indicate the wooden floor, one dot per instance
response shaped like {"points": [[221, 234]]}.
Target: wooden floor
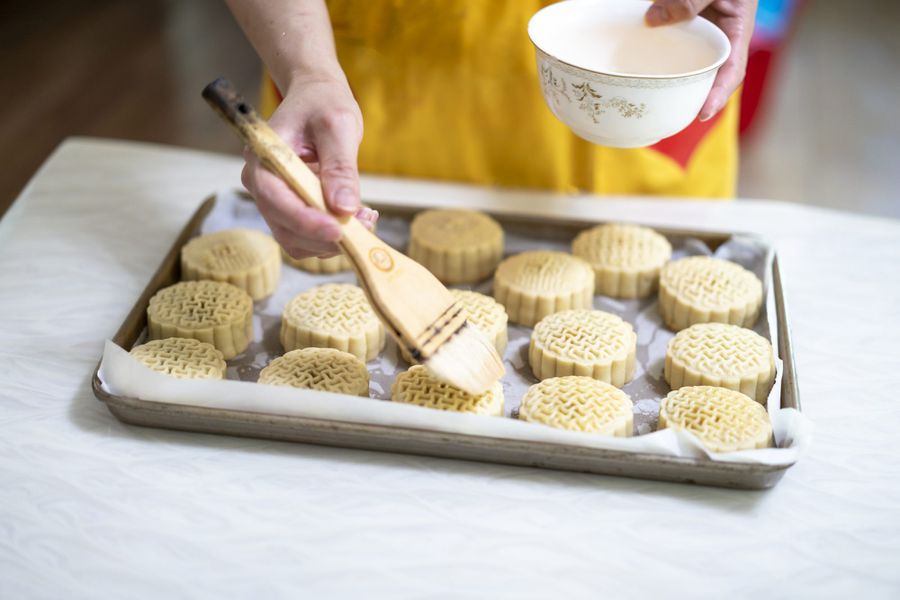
{"points": [[110, 68], [134, 70]]}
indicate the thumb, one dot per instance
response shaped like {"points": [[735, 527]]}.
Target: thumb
{"points": [[337, 145]]}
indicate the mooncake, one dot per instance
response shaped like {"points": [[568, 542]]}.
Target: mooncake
{"points": [[314, 264], [246, 258], [210, 311], [334, 315], [723, 356], [626, 258], [483, 312], [417, 386], [590, 343], [457, 245], [702, 289], [723, 420], [324, 369], [534, 284], [181, 358], [579, 404], [324, 266]]}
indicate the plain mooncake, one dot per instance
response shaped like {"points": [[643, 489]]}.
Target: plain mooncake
{"points": [[626, 258], [483, 312], [417, 386], [702, 289], [721, 355], [324, 369], [323, 266], [591, 343], [579, 404], [334, 315], [246, 258], [724, 420], [458, 246], [314, 264], [534, 284], [210, 311], [181, 358]]}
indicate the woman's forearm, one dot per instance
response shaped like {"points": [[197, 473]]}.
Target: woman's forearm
{"points": [[293, 38], [318, 117]]}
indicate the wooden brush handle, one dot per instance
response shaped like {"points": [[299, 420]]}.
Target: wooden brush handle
{"points": [[280, 158], [274, 153]]}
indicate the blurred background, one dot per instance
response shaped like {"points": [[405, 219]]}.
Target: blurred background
{"points": [[819, 122]]}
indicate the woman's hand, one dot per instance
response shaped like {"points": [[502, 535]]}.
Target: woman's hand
{"points": [[318, 118], [735, 18], [321, 121]]}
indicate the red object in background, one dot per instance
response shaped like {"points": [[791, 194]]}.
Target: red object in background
{"points": [[775, 24], [680, 147], [758, 64]]}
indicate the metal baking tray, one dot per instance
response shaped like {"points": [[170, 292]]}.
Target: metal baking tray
{"points": [[443, 444]]}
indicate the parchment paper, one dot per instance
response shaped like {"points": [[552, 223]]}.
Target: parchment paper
{"points": [[123, 375]]}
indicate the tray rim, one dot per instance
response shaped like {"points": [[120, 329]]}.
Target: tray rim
{"points": [[446, 444]]}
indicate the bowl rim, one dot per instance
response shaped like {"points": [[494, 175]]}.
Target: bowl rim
{"points": [[718, 63]]}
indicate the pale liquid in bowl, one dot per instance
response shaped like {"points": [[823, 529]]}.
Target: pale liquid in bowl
{"points": [[633, 49]]}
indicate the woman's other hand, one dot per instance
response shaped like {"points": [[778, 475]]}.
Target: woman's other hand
{"points": [[735, 18]]}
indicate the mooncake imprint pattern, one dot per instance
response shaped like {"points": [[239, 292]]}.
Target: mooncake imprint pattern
{"points": [[417, 386], [458, 246], [590, 343], [721, 355], [702, 289], [483, 312], [724, 420], [626, 258], [579, 404], [324, 369], [334, 315], [182, 358], [246, 258], [534, 284], [210, 311]]}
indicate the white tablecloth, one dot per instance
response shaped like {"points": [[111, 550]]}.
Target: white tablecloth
{"points": [[90, 507]]}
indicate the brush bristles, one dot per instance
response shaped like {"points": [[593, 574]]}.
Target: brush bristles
{"points": [[468, 361]]}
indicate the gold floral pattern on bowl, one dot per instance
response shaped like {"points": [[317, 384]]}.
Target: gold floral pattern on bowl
{"points": [[589, 100]]}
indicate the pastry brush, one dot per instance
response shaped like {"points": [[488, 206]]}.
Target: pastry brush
{"points": [[416, 308]]}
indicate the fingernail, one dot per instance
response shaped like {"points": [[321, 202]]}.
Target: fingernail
{"points": [[657, 14], [344, 200], [368, 214], [708, 114]]}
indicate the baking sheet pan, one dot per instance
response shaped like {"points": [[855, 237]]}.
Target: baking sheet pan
{"points": [[522, 233]]}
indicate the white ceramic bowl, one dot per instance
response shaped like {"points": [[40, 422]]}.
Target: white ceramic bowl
{"points": [[617, 82]]}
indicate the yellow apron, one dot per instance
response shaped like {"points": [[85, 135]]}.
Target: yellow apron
{"points": [[449, 90]]}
